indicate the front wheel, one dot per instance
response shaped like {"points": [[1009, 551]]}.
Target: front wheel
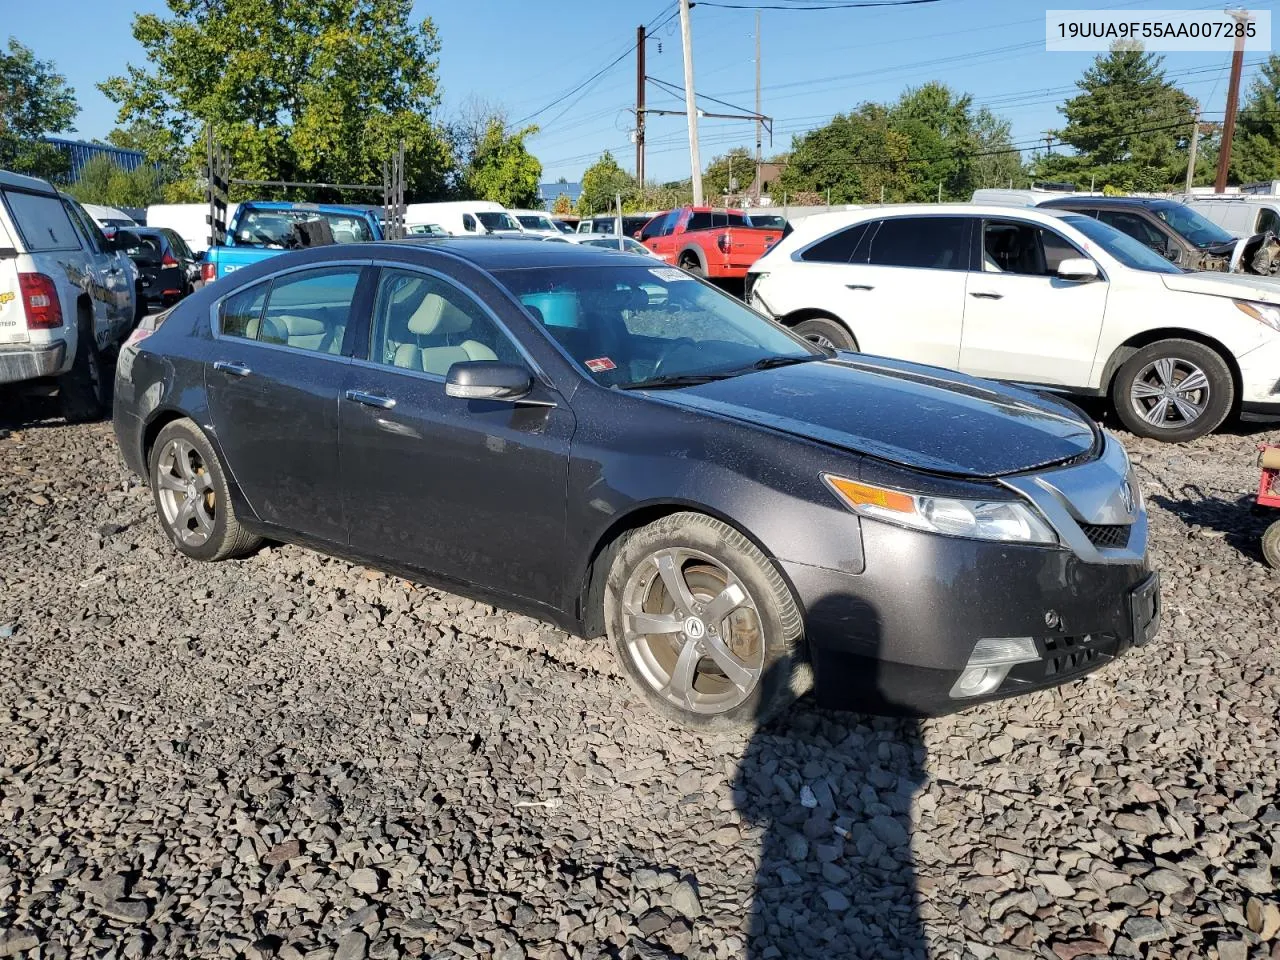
{"points": [[704, 624], [1271, 545], [827, 333], [1173, 390]]}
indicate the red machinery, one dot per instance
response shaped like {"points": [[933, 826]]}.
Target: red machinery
{"points": [[1269, 496]]}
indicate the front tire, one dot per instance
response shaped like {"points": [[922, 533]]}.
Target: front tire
{"points": [[193, 504], [1271, 545], [826, 332], [83, 390], [1174, 391], [703, 624]]}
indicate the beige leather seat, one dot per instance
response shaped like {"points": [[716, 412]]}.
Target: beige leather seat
{"points": [[310, 333], [437, 318]]}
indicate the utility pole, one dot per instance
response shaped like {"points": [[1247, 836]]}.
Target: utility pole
{"points": [[640, 38], [691, 106], [759, 127], [1233, 95], [1191, 154]]}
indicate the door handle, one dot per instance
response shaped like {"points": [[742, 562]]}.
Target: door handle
{"points": [[986, 294], [859, 286], [231, 367], [370, 399]]}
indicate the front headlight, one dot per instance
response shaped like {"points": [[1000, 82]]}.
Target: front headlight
{"points": [[1010, 521], [1267, 313]]}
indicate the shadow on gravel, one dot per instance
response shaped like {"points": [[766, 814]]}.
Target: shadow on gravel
{"points": [[1240, 521], [833, 792]]}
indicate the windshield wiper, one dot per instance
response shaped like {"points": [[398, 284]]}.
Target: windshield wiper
{"points": [[768, 363], [673, 380]]}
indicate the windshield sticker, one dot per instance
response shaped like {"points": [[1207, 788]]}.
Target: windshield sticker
{"points": [[669, 273], [601, 365]]}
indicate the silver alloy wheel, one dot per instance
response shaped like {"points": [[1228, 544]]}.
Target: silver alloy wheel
{"points": [[821, 341], [1170, 392], [693, 631], [186, 492]]}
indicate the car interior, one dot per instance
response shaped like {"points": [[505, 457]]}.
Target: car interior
{"points": [[424, 325]]}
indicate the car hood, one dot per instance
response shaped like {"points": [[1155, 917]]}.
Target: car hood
{"points": [[917, 416], [1242, 286]]}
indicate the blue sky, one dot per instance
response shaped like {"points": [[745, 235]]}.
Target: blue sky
{"points": [[524, 55]]}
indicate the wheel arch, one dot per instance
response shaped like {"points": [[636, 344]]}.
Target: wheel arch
{"points": [[696, 250], [591, 582], [1147, 337], [814, 313]]}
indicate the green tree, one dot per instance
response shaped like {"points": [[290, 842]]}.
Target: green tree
{"points": [[1128, 126], [939, 127], [852, 159], [602, 182], [563, 206], [993, 161], [502, 168], [104, 181], [34, 101], [1255, 151], [310, 91], [730, 173]]}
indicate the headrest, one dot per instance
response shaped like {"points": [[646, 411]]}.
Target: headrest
{"points": [[273, 331], [302, 326], [437, 315]]}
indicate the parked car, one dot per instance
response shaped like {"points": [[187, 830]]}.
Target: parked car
{"points": [[712, 243], [463, 217], [566, 226], [771, 221], [1241, 215], [167, 269], [622, 244], [67, 295], [625, 450], [536, 221], [263, 229], [1051, 298], [426, 230], [106, 217], [1171, 229], [611, 224]]}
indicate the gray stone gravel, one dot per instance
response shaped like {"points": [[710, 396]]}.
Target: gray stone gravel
{"points": [[290, 756]]}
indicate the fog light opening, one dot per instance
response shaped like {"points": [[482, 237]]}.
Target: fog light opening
{"points": [[990, 663]]}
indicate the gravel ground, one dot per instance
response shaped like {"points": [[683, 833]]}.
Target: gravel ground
{"points": [[291, 756]]}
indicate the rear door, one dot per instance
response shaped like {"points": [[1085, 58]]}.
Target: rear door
{"points": [[1021, 321], [273, 390]]}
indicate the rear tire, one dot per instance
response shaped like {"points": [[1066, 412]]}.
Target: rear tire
{"points": [[83, 390], [193, 504], [1271, 545], [826, 332], [1174, 391], [691, 264], [723, 648]]}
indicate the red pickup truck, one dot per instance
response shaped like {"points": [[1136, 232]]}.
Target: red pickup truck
{"points": [[708, 242]]}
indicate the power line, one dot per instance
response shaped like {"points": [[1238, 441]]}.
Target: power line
{"points": [[824, 6]]}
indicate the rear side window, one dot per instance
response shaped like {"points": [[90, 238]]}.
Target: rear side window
{"points": [[42, 221], [309, 310], [240, 313], [837, 248], [700, 220], [1135, 226], [935, 243]]}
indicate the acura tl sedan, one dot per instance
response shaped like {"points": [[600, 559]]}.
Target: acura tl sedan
{"points": [[622, 449]]}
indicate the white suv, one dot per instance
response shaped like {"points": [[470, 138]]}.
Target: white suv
{"points": [[67, 294], [1059, 301]]}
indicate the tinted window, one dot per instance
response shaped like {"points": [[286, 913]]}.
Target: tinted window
{"points": [[42, 220], [309, 310], [837, 248], [657, 227], [177, 243], [721, 218], [700, 220], [241, 312], [423, 323], [938, 243], [1135, 226], [1268, 222], [1023, 248], [1057, 249], [468, 222], [497, 220], [1121, 246], [91, 231]]}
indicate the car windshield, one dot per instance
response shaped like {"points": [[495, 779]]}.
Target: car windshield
{"points": [[1187, 223], [630, 325], [1123, 247], [497, 220], [275, 228], [536, 223]]}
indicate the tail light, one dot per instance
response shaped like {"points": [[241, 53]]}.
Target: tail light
{"points": [[724, 242], [168, 260], [208, 271], [40, 297], [149, 325]]}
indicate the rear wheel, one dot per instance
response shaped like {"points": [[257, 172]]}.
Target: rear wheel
{"points": [[1271, 545], [692, 264], [1173, 390], [82, 390], [191, 497], [826, 332], [703, 623]]}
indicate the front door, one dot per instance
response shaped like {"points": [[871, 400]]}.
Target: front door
{"points": [[1021, 321], [470, 490], [273, 388]]}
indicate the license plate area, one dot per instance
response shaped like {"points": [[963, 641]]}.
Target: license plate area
{"points": [[1145, 607]]}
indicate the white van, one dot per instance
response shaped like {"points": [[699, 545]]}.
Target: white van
{"points": [[462, 217], [67, 294], [108, 216], [187, 220], [1241, 215], [537, 222]]}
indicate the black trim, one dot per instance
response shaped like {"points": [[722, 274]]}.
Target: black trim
{"points": [[1260, 412]]}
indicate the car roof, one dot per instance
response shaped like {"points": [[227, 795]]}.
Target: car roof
{"points": [[318, 207], [492, 254], [1103, 201], [8, 179]]}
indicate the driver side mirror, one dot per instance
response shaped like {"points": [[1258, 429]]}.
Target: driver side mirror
{"points": [[487, 380], [1079, 269]]}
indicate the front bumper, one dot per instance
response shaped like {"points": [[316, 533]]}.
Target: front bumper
{"points": [[31, 362], [1260, 380]]}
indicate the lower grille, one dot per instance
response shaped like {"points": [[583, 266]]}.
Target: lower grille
{"points": [[1067, 655], [1107, 534]]}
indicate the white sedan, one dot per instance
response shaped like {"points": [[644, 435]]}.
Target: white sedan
{"points": [[1059, 301]]}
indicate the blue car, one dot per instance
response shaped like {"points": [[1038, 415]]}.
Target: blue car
{"points": [[262, 229]]}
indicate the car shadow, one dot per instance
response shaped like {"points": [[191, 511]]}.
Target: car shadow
{"points": [[1240, 522], [833, 794], [27, 407]]}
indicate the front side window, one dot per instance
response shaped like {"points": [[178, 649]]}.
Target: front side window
{"points": [[468, 223], [837, 248], [1136, 227], [425, 324], [629, 323], [1268, 222], [1010, 246], [935, 243]]}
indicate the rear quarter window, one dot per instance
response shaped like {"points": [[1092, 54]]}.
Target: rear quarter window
{"points": [[42, 221]]}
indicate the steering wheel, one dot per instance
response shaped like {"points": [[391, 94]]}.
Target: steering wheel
{"points": [[674, 347]]}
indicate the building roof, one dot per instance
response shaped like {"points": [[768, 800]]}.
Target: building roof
{"points": [[81, 152]]}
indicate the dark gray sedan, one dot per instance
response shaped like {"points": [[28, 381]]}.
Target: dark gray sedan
{"points": [[622, 449]]}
